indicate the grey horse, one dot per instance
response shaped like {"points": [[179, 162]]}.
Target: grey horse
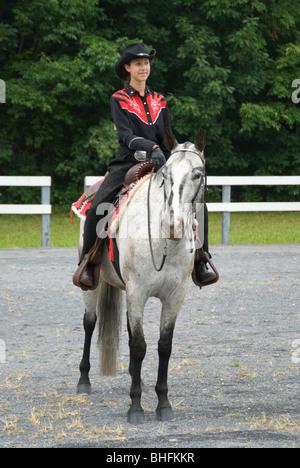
{"points": [[166, 215]]}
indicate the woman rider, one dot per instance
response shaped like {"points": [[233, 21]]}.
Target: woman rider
{"points": [[141, 117]]}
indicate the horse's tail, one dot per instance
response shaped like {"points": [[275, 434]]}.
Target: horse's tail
{"points": [[110, 314]]}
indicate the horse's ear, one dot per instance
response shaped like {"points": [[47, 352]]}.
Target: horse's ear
{"points": [[200, 140], [170, 140]]}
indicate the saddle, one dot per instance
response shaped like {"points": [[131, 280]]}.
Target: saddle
{"points": [[94, 256]]}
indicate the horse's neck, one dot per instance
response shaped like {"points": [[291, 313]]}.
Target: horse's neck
{"points": [[136, 220]]}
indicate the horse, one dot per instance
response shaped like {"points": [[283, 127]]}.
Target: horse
{"points": [[161, 220]]}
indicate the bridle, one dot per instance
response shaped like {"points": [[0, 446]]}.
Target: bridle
{"points": [[190, 151], [148, 209]]}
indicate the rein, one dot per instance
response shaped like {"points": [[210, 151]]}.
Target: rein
{"points": [[149, 215], [149, 231]]}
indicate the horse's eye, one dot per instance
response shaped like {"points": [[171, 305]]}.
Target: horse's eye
{"points": [[197, 174]]}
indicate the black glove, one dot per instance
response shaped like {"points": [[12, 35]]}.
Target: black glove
{"points": [[158, 157]]}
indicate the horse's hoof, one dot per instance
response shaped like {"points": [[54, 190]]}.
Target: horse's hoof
{"points": [[84, 388], [165, 414], [136, 417]]}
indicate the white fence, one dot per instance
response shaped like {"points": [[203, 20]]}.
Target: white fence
{"points": [[43, 209], [226, 207]]}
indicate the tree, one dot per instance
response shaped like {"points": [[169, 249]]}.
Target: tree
{"points": [[224, 65], [56, 60], [228, 66]]}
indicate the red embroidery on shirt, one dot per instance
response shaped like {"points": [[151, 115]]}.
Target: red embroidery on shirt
{"points": [[155, 103], [134, 104]]}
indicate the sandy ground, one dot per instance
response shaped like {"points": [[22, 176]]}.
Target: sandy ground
{"points": [[234, 370]]}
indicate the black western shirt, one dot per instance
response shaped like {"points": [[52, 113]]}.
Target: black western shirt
{"points": [[140, 120]]}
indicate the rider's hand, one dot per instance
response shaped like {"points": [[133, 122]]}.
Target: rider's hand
{"points": [[158, 157]]}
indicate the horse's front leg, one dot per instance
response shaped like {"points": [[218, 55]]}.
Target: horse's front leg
{"points": [[164, 410], [170, 311], [137, 347]]}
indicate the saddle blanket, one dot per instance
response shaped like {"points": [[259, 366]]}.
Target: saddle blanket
{"points": [[84, 202]]}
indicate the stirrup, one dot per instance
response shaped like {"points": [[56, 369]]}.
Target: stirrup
{"points": [[201, 256], [94, 258], [82, 266]]}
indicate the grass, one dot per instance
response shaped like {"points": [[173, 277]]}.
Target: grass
{"points": [[25, 231], [246, 228], [257, 228]]}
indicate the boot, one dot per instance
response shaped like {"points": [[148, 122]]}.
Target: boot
{"points": [[203, 275], [86, 277]]}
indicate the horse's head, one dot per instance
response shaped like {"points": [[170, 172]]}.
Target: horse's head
{"points": [[183, 179]]}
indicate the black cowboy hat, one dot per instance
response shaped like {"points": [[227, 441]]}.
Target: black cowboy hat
{"points": [[131, 52]]}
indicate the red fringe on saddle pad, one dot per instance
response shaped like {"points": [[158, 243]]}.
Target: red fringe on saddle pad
{"points": [[116, 214], [84, 202]]}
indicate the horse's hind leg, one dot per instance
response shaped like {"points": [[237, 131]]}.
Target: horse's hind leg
{"points": [[89, 321]]}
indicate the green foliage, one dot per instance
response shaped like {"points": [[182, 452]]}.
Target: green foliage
{"points": [[224, 65], [57, 60]]}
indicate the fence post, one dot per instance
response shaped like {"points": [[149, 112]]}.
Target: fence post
{"points": [[45, 218], [226, 196]]}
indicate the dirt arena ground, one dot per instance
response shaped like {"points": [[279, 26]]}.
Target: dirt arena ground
{"points": [[234, 371]]}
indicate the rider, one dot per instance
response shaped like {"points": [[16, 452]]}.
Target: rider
{"points": [[141, 117]]}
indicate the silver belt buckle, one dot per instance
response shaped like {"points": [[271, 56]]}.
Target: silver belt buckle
{"points": [[140, 155]]}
